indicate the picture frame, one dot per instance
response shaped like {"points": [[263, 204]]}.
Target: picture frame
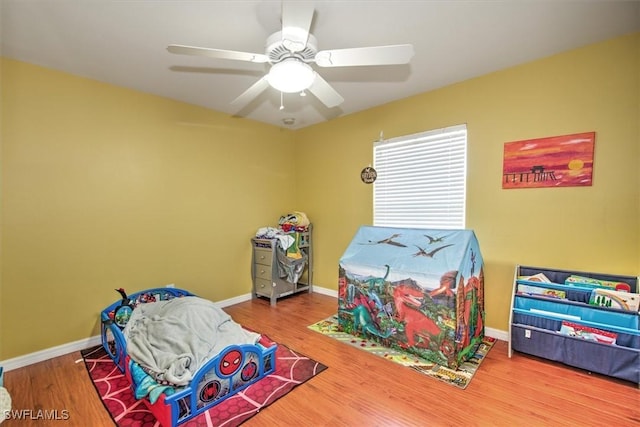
{"points": [[558, 161]]}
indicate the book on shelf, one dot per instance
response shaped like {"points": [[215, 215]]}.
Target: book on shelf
{"points": [[615, 299], [575, 280], [587, 333], [540, 277], [554, 314], [536, 290]]}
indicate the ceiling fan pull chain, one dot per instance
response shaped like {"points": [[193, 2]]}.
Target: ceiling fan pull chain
{"points": [[281, 101]]}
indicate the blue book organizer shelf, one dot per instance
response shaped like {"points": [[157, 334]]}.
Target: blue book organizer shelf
{"points": [[558, 320]]}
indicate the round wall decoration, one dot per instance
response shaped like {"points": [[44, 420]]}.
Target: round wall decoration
{"points": [[368, 175]]}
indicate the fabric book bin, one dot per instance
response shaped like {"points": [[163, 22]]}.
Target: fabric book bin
{"points": [[558, 320]]}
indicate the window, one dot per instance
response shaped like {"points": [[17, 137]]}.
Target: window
{"points": [[421, 180]]}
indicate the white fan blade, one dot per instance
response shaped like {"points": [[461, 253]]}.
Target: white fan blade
{"points": [[296, 22], [325, 93], [250, 94], [217, 53], [377, 55]]}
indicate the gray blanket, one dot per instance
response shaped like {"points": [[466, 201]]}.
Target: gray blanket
{"points": [[174, 338]]}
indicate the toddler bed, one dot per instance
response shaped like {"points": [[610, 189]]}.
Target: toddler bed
{"points": [[181, 353]]}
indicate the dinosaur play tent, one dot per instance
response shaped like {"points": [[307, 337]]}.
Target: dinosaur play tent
{"points": [[419, 290]]}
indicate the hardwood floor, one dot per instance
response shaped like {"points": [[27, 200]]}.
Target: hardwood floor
{"points": [[360, 389]]}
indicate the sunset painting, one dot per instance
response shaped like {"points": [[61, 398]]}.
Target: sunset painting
{"points": [[558, 161]]}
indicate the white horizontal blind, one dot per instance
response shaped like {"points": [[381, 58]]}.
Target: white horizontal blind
{"points": [[421, 180]]}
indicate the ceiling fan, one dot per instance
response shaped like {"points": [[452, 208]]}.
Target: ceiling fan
{"points": [[291, 50]]}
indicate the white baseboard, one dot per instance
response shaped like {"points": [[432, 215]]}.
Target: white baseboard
{"points": [[325, 291], [497, 334], [49, 353], [234, 300]]}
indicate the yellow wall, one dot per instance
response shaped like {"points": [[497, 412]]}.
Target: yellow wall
{"points": [[590, 228], [105, 187]]}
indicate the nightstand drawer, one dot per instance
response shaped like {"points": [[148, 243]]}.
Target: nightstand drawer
{"points": [[263, 272], [263, 256], [263, 287]]}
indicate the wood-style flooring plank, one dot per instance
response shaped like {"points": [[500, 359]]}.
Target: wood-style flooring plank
{"points": [[361, 389]]}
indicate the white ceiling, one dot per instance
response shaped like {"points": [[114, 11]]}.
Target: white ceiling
{"points": [[123, 42]]}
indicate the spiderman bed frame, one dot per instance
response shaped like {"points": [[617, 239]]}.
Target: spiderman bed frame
{"points": [[213, 383]]}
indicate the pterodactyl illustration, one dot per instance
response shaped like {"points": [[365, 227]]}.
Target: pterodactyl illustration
{"points": [[388, 241], [423, 252], [433, 240]]}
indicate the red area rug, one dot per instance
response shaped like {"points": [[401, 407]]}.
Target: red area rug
{"points": [[292, 369]]}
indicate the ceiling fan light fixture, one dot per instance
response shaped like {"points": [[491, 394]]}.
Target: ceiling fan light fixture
{"points": [[291, 75]]}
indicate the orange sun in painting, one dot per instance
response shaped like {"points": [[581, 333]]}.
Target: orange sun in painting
{"points": [[575, 167]]}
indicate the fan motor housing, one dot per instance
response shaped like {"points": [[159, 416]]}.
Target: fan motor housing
{"points": [[277, 52]]}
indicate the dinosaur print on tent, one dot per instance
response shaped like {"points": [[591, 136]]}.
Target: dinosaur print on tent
{"points": [[428, 302]]}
